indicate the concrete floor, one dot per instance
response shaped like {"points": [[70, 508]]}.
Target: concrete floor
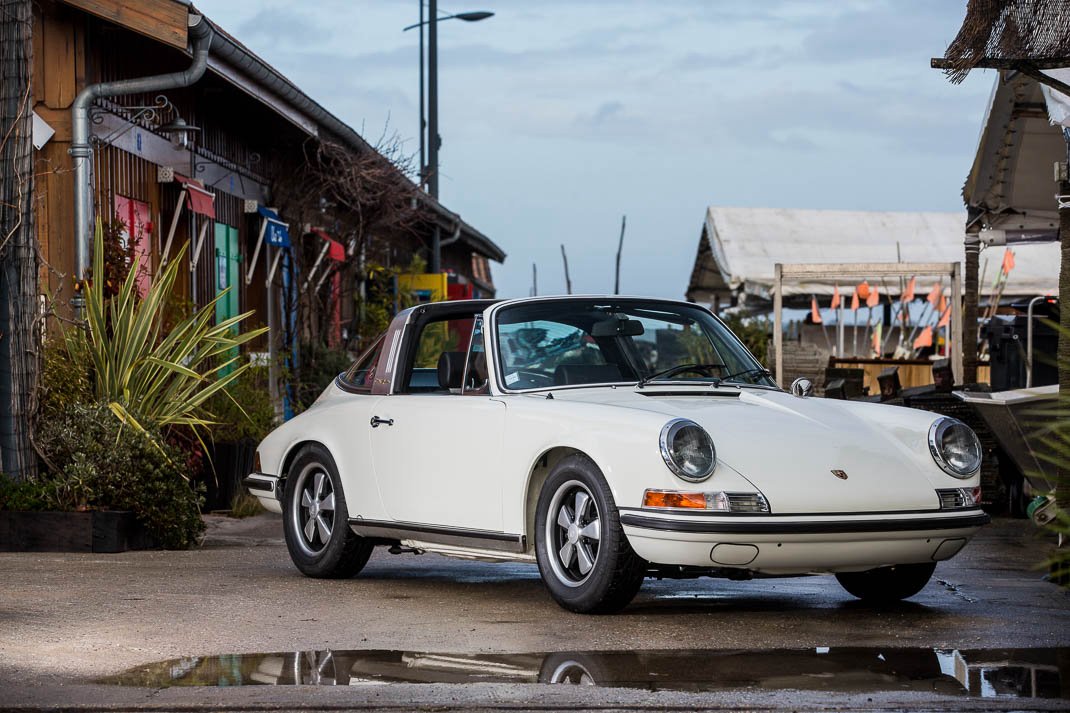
{"points": [[68, 619]]}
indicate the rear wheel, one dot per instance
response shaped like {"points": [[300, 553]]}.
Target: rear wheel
{"points": [[316, 519], [584, 557], [885, 585]]}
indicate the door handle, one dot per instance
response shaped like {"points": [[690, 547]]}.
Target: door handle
{"points": [[376, 421]]}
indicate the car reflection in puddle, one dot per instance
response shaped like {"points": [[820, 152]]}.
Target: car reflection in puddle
{"points": [[1012, 673]]}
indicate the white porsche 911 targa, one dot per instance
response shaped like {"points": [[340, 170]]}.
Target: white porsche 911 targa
{"points": [[610, 439]]}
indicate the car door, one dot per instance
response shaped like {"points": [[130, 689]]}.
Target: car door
{"points": [[345, 418], [436, 451]]}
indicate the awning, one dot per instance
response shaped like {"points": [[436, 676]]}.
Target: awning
{"points": [[198, 199], [335, 250], [276, 233], [739, 247]]}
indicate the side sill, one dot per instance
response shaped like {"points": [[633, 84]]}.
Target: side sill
{"points": [[459, 537]]}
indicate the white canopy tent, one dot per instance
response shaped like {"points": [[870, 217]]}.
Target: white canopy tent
{"points": [[740, 246]]}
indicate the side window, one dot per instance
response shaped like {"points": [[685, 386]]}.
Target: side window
{"points": [[362, 374], [475, 371], [449, 337]]}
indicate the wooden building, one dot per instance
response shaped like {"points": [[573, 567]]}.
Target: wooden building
{"points": [[259, 143]]}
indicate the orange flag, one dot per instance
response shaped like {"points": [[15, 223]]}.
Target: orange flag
{"points": [[908, 293], [815, 313], [1008, 261], [934, 294], [835, 297], [925, 339], [863, 290], [873, 299], [854, 301], [945, 318], [943, 304]]}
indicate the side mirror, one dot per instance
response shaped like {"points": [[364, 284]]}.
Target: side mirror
{"points": [[802, 387]]}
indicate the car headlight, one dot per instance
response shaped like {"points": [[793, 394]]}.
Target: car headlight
{"points": [[688, 450], [955, 447]]}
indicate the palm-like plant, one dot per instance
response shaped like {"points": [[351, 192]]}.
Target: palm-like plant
{"points": [[144, 372]]}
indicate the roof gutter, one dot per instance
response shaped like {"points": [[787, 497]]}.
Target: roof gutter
{"points": [[81, 150]]}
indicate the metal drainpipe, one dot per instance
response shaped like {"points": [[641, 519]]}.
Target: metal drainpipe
{"points": [[200, 33]]}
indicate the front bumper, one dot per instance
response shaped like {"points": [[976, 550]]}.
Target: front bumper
{"points": [[267, 488], [800, 544]]}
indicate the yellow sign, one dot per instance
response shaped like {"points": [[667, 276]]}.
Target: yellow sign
{"points": [[425, 287]]}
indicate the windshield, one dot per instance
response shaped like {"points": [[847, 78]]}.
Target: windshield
{"points": [[567, 342]]}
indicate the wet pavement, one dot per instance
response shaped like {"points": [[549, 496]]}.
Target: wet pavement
{"points": [[984, 673], [986, 633]]}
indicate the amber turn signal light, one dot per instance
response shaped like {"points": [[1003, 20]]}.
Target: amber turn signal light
{"points": [[674, 499]]}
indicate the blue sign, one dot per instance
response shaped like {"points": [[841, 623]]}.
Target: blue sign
{"points": [[276, 233]]}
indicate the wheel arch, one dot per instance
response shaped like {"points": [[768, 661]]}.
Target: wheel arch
{"points": [[291, 454], [538, 473]]}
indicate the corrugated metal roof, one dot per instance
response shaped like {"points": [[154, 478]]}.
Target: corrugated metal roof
{"points": [[740, 246]]}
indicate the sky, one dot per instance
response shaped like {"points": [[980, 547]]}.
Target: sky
{"points": [[558, 117]]}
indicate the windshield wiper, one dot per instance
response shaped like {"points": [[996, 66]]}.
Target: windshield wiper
{"points": [[745, 372], [678, 369]]}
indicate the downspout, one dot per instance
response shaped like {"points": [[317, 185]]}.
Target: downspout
{"points": [[200, 33]]}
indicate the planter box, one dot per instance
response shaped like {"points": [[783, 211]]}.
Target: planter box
{"points": [[96, 531]]}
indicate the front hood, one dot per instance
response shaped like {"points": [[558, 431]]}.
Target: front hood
{"points": [[788, 447]]}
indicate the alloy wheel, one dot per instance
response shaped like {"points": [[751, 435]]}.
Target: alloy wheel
{"points": [[573, 533], [313, 509]]}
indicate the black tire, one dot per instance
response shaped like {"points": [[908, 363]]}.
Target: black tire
{"points": [[341, 553], [602, 573], [885, 585]]}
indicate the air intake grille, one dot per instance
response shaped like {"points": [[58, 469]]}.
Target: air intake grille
{"points": [[747, 502], [953, 498]]}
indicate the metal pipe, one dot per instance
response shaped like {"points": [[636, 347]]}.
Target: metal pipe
{"points": [[433, 140], [81, 151], [423, 122], [1029, 341]]}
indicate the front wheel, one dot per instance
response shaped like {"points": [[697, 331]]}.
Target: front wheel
{"points": [[885, 585], [316, 519], [584, 557]]}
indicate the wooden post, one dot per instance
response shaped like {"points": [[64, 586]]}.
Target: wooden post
{"points": [[969, 310], [20, 330], [778, 315], [957, 338]]}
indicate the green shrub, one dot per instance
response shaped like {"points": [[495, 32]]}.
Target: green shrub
{"points": [[245, 505], [317, 368], [98, 463], [25, 494], [242, 410], [755, 332]]}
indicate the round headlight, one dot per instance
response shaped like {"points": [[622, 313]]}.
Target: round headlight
{"points": [[955, 447], [688, 450]]}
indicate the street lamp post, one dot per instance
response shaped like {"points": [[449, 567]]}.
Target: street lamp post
{"points": [[430, 138]]}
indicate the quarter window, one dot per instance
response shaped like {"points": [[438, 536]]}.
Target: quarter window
{"points": [[362, 374]]}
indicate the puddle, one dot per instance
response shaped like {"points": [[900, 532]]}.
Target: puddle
{"points": [[989, 673]]}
